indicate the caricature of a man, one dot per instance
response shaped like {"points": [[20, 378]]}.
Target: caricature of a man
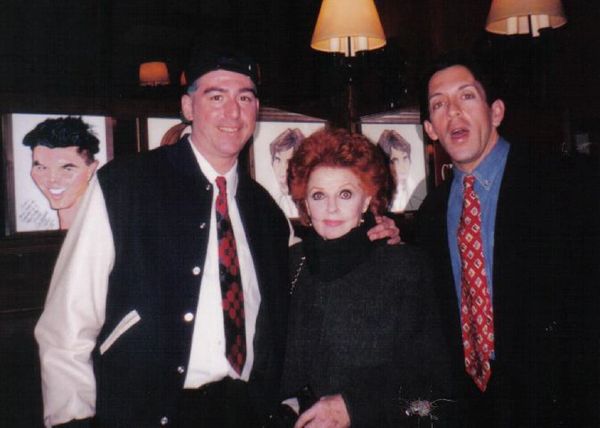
{"points": [[398, 151], [63, 162], [282, 149]]}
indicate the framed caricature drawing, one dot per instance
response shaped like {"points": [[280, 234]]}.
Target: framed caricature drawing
{"points": [[400, 136], [49, 162], [277, 135], [160, 131]]}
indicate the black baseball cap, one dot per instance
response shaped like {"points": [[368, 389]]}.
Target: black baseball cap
{"points": [[205, 60]]}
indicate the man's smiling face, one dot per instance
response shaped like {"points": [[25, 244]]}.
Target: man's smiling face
{"points": [[223, 109]]}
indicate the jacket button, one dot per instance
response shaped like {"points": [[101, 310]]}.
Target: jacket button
{"points": [[164, 421], [196, 271], [181, 370], [207, 187], [550, 328], [188, 317], [202, 225]]}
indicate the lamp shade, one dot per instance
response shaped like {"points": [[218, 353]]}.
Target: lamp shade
{"points": [[154, 73], [348, 26], [524, 16]]}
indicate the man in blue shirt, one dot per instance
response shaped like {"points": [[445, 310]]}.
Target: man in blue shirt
{"points": [[542, 366]]}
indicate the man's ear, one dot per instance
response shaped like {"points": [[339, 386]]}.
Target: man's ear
{"points": [[497, 109], [430, 131], [186, 107]]}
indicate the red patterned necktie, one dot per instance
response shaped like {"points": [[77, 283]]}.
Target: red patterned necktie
{"points": [[231, 284], [477, 317]]}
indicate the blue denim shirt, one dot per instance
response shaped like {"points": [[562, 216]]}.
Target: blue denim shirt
{"points": [[488, 176]]}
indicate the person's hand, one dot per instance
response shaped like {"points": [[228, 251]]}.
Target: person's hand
{"points": [[329, 412], [385, 228]]}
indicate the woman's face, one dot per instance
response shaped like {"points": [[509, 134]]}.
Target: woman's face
{"points": [[335, 201], [61, 174]]}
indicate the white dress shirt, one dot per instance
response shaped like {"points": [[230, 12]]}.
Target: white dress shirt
{"points": [[404, 191], [287, 205], [208, 362]]}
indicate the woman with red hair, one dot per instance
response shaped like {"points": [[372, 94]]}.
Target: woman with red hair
{"points": [[362, 334]]}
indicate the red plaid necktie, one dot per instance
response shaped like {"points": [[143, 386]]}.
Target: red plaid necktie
{"points": [[231, 284], [477, 317]]}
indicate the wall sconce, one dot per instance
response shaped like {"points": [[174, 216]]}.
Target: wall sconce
{"points": [[348, 27], [524, 16], [154, 73]]}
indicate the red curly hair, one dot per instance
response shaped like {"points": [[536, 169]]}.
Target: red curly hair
{"points": [[339, 148]]}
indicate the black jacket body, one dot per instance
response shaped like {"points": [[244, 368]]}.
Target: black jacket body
{"points": [[159, 210]]}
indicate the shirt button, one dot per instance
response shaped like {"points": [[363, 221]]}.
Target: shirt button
{"points": [[181, 370], [188, 317], [164, 421], [196, 271], [202, 225]]}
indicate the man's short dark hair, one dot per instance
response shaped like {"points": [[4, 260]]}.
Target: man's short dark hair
{"points": [[64, 132], [288, 139], [450, 59], [391, 139]]}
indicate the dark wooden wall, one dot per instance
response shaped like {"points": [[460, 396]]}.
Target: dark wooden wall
{"points": [[91, 49]]}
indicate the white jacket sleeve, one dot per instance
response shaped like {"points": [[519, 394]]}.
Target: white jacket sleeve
{"points": [[74, 313]]}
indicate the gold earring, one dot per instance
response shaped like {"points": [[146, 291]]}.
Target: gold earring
{"points": [[362, 216]]}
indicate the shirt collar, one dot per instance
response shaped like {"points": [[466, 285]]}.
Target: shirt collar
{"points": [[209, 172], [490, 168]]}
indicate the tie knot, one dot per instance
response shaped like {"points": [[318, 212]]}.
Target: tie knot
{"points": [[222, 185], [469, 181]]}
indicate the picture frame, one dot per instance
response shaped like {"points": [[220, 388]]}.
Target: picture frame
{"points": [[276, 136], [399, 133], [26, 207], [157, 131], [442, 164]]}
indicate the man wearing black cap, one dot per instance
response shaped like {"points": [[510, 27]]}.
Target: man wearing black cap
{"points": [[168, 302], [146, 322]]}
